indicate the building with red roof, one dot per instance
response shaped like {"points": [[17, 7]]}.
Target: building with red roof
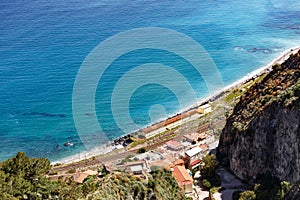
{"points": [[174, 145], [184, 180]]}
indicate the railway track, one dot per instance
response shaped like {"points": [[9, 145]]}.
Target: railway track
{"points": [[118, 156]]}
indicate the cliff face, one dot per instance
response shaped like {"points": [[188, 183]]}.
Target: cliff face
{"points": [[263, 133]]}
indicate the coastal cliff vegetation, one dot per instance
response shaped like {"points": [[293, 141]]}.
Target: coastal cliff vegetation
{"points": [[22, 177], [260, 142]]}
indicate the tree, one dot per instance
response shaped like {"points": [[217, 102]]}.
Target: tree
{"points": [[208, 170], [23, 177], [21, 165], [285, 187], [206, 184], [89, 185], [142, 150], [247, 195], [209, 165], [277, 67]]}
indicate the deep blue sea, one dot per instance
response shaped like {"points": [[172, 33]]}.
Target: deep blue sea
{"points": [[43, 44]]}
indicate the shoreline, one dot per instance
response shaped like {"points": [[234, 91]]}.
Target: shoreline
{"points": [[111, 146], [264, 69]]}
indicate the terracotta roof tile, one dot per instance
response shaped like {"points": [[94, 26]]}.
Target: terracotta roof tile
{"points": [[204, 147], [79, 178], [195, 162], [181, 175], [178, 162], [174, 143]]}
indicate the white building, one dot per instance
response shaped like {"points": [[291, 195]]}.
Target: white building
{"points": [[138, 167], [193, 157], [204, 109]]}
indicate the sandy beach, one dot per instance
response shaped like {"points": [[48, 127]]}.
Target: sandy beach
{"points": [[264, 69], [104, 149]]}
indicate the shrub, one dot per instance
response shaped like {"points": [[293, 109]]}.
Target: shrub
{"points": [[206, 184], [247, 195], [53, 173], [208, 170], [57, 164], [277, 67], [155, 168], [142, 150], [71, 171]]}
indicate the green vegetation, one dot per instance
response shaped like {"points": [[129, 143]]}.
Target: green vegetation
{"points": [[25, 178], [161, 185], [127, 158], [247, 195], [233, 95], [165, 135], [142, 150], [206, 184], [136, 141], [267, 187], [292, 192], [238, 126], [72, 171], [264, 106], [280, 86], [277, 67], [210, 178]]}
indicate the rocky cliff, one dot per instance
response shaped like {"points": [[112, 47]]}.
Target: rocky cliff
{"points": [[262, 136]]}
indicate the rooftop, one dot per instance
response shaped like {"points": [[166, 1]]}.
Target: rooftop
{"points": [[79, 177], [194, 151], [192, 136], [161, 163], [202, 136], [136, 168], [195, 162], [186, 144], [90, 172], [204, 147], [139, 162], [178, 162], [174, 143], [181, 175]]}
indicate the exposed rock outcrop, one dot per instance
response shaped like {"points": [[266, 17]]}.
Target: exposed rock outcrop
{"points": [[262, 136]]}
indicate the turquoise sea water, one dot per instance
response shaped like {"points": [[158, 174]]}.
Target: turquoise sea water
{"points": [[42, 46]]}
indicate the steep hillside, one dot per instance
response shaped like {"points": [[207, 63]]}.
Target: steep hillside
{"points": [[22, 177], [262, 136]]}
